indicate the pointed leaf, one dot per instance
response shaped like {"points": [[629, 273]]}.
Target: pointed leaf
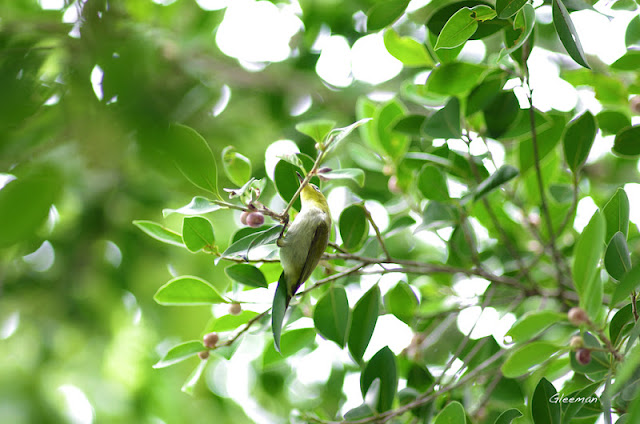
{"points": [[630, 282], [578, 140], [453, 413], [523, 25], [179, 353], [504, 174], [197, 233], [567, 33], [612, 121], [159, 232], [331, 315], [407, 50], [616, 258], [385, 13], [587, 253], [354, 174], [508, 8], [382, 366], [627, 142], [316, 129], [507, 416], [245, 244], [246, 274], [458, 29], [445, 123], [402, 302], [188, 290], [616, 214], [363, 322], [529, 355], [543, 411], [197, 206], [236, 166], [532, 324]]}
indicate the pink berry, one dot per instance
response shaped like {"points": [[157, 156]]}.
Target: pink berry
{"points": [[243, 217], [393, 185], [577, 316], [255, 219], [203, 355], [235, 309], [583, 356], [210, 340]]}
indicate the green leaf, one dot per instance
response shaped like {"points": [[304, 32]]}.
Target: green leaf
{"points": [[363, 322], [507, 416], [419, 377], [616, 214], [630, 61], [339, 134], [598, 368], [632, 34], [25, 203], [193, 379], [458, 29], [542, 410], [246, 274], [399, 224], [455, 79], [627, 142], [197, 233], [382, 366], [359, 412], [574, 408], [179, 353], [629, 282], [567, 33], [407, 50], [292, 342], [578, 140], [230, 322], [437, 215], [192, 156], [287, 182], [527, 356], [504, 174], [395, 144], [331, 315], [612, 121], [354, 174], [278, 310], [453, 413], [622, 321], [159, 232], [531, 324], [432, 183], [385, 13], [402, 302], [188, 290], [508, 8], [523, 25], [317, 129], [587, 253], [617, 261], [354, 227], [197, 206], [243, 246], [445, 123], [501, 113], [237, 167], [561, 193]]}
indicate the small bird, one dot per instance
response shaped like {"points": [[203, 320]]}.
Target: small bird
{"points": [[305, 240]]}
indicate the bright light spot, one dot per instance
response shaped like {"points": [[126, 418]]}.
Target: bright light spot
{"points": [[502, 327], [9, 325], [477, 147], [601, 147], [334, 63], [470, 288], [112, 253], [352, 391], [163, 2], [549, 90], [488, 321], [599, 35], [6, 179], [42, 259], [588, 100], [338, 198], [315, 366], [456, 189], [52, 4], [53, 100], [72, 16], [301, 105], [497, 152], [633, 192], [213, 4], [378, 214], [275, 151], [223, 101], [473, 52], [78, 407], [371, 62], [416, 4], [257, 31], [321, 39], [390, 280], [586, 208], [544, 14], [96, 81], [391, 332]]}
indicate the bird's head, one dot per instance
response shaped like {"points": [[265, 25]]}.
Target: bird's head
{"points": [[312, 196]]}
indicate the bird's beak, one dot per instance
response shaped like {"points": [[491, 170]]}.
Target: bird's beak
{"points": [[300, 177]]}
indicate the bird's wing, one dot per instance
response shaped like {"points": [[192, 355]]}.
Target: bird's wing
{"points": [[317, 246]]}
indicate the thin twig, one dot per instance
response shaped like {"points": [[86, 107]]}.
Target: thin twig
{"points": [[377, 231]]}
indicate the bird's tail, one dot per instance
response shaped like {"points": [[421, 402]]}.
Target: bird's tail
{"points": [[280, 304]]}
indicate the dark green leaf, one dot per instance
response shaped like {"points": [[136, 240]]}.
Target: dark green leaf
{"points": [[331, 315], [627, 142], [573, 408], [507, 416], [287, 182], [25, 203], [197, 233], [316, 129], [407, 50], [612, 121], [410, 125], [237, 167], [419, 378], [578, 139], [567, 33], [188, 290], [616, 214], [629, 282], [159, 232], [504, 174], [501, 113], [192, 156], [532, 324], [621, 323], [354, 227], [461, 245], [453, 413], [353, 174], [385, 13], [246, 274], [402, 302], [432, 183], [363, 322], [527, 356], [198, 206], [523, 25], [179, 353], [587, 253], [508, 8], [616, 258], [445, 123], [543, 411], [630, 61], [382, 366], [278, 310], [455, 79], [632, 34], [437, 215]]}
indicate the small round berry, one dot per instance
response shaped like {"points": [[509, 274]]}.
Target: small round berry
{"points": [[387, 170], [203, 355], [583, 356], [393, 185], [235, 309], [576, 343], [243, 217], [210, 340], [255, 219], [634, 103], [577, 316]]}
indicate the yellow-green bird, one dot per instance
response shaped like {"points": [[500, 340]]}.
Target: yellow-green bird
{"points": [[305, 240]]}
